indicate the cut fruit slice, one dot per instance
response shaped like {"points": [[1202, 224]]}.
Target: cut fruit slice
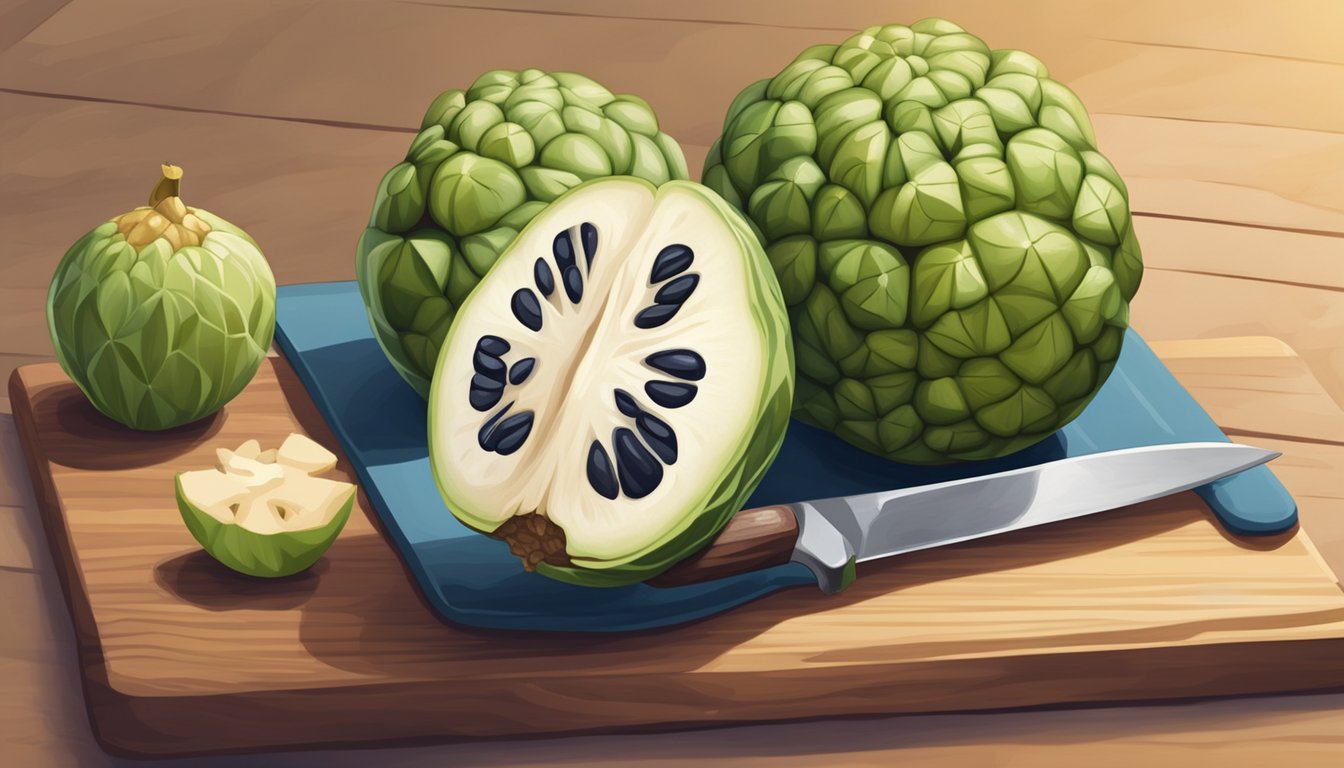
{"points": [[617, 385], [303, 453], [263, 513]]}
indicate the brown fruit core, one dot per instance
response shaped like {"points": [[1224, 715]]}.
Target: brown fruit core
{"points": [[165, 217], [534, 539]]}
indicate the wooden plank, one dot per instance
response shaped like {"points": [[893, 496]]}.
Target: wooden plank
{"points": [[232, 68], [15, 489], [19, 540], [1182, 305], [20, 17], [1176, 350], [1026, 619], [1304, 410], [43, 723], [10, 361], [1244, 174], [1229, 250], [1305, 425], [42, 717], [303, 191], [1299, 29], [1238, 173], [16, 546]]}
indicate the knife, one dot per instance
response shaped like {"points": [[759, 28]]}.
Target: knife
{"points": [[830, 536]]}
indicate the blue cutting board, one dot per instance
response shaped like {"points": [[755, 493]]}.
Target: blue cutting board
{"points": [[473, 579]]}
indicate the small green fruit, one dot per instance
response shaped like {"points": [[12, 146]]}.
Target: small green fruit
{"points": [[164, 314]]}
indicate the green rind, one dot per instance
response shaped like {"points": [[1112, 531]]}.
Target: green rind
{"points": [[267, 556], [725, 495], [1012, 251], [157, 338], [485, 162]]}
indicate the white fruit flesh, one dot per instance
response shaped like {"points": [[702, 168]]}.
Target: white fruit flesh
{"points": [[303, 453], [584, 354], [267, 497]]}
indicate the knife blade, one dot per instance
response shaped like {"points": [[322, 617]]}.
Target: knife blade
{"points": [[830, 536]]}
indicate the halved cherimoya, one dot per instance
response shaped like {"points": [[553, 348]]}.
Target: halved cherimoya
{"points": [[617, 385]]}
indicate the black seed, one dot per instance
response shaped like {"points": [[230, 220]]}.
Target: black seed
{"points": [[600, 473], [511, 433], [639, 472], [485, 392], [682, 363], [670, 394], [563, 249], [526, 308], [659, 436], [670, 262], [521, 370], [652, 317], [492, 345], [678, 290], [541, 275], [573, 283], [588, 234], [626, 404], [486, 436], [488, 365]]}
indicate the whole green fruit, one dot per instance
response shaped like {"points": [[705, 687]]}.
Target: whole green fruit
{"points": [[162, 315], [957, 256], [485, 162]]}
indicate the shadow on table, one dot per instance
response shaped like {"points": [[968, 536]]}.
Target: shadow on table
{"points": [[199, 579], [365, 615], [86, 439]]}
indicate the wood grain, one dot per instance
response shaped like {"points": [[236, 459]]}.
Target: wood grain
{"points": [[1149, 602], [300, 186], [1306, 425], [1119, 58], [1243, 166]]}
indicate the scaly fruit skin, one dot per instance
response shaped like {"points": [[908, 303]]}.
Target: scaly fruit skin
{"points": [[957, 257], [264, 555], [164, 314], [485, 162]]}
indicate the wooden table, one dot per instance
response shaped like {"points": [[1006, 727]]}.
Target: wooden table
{"points": [[1226, 119]]}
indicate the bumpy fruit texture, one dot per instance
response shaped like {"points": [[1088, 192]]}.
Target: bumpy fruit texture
{"points": [[265, 513], [485, 162], [956, 254], [617, 386], [164, 314]]}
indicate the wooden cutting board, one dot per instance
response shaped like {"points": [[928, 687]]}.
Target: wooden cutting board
{"points": [[182, 656]]}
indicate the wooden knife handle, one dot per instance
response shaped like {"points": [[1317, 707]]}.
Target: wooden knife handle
{"points": [[753, 539]]}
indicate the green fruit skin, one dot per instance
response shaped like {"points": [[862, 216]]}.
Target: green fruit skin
{"points": [[262, 555], [485, 162], [956, 255], [741, 475], [158, 338]]}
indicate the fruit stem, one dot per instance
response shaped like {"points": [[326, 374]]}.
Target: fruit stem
{"points": [[169, 186]]}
